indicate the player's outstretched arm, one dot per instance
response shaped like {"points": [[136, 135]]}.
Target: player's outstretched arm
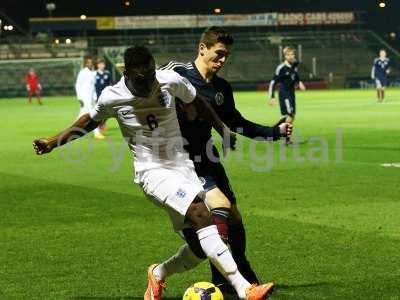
{"points": [[254, 130], [82, 126], [205, 110], [239, 124]]}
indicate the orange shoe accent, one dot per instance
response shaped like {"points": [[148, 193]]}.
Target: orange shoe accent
{"points": [[154, 287], [259, 292]]}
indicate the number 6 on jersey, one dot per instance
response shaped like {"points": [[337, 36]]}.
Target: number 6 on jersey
{"points": [[152, 121]]}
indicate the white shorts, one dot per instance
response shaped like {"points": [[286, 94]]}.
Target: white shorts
{"points": [[85, 107], [174, 189]]}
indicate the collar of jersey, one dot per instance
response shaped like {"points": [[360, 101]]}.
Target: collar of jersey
{"points": [[200, 78]]}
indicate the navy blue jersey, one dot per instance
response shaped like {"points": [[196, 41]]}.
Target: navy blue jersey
{"points": [[102, 80], [380, 68], [219, 94], [287, 75]]}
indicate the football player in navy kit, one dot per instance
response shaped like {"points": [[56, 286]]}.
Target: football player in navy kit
{"points": [[379, 73], [103, 77], [287, 76], [213, 50]]}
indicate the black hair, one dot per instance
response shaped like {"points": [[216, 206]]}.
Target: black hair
{"points": [[137, 56]]}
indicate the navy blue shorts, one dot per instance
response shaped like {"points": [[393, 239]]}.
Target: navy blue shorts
{"points": [[381, 82], [287, 103], [212, 175]]}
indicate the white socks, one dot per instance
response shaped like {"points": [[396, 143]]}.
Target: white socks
{"points": [[218, 253], [182, 261], [222, 259]]}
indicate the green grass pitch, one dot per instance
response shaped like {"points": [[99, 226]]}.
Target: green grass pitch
{"points": [[323, 219]]}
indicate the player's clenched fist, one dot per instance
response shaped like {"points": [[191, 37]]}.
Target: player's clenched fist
{"points": [[42, 146], [286, 129]]}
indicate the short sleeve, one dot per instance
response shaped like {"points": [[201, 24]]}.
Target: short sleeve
{"points": [[183, 89], [101, 111]]}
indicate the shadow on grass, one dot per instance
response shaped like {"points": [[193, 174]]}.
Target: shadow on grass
{"points": [[286, 287], [118, 298], [279, 291], [296, 291]]}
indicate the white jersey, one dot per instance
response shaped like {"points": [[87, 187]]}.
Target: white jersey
{"points": [[149, 124], [84, 86]]}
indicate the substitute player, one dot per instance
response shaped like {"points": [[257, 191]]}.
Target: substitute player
{"points": [[287, 76], [102, 80], [85, 91], [143, 102], [213, 50], [33, 86], [380, 72]]}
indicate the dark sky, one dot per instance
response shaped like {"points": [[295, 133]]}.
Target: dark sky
{"points": [[381, 19]]}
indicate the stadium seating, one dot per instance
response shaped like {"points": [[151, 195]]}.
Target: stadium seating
{"points": [[256, 55], [332, 56]]}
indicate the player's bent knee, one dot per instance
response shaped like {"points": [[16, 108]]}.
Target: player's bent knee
{"points": [[198, 215], [216, 199]]}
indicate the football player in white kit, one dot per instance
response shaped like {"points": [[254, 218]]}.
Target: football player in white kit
{"points": [[143, 102], [85, 91]]}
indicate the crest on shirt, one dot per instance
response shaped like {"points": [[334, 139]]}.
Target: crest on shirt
{"points": [[219, 98], [165, 99], [181, 193]]}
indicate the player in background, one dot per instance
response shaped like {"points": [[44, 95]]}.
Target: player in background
{"points": [[287, 76], [33, 86], [85, 91], [103, 77], [380, 72], [213, 50], [143, 102], [102, 80]]}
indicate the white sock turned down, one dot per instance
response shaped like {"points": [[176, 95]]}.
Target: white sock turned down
{"points": [[182, 261]]}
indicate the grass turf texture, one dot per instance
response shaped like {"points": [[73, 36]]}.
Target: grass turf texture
{"points": [[74, 226]]}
